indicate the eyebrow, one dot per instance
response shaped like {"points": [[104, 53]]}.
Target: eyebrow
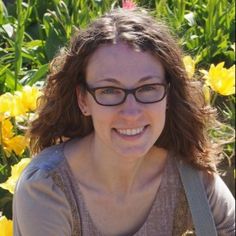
{"points": [[141, 80]]}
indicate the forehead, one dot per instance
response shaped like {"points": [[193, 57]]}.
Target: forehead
{"points": [[123, 63]]}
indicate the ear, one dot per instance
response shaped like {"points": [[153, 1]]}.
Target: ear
{"points": [[82, 101]]}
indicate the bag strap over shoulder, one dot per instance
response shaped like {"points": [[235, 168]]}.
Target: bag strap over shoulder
{"points": [[201, 214]]}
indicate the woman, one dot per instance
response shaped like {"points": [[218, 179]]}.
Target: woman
{"points": [[117, 115]]}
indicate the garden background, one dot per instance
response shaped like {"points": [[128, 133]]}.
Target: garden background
{"points": [[32, 31]]}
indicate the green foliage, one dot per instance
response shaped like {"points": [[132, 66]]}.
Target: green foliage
{"points": [[206, 27], [35, 31]]}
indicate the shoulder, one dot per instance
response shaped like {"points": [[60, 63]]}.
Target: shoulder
{"points": [[215, 187], [48, 159], [219, 197], [36, 175], [40, 167], [221, 201], [39, 200]]}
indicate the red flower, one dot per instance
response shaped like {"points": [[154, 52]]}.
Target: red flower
{"points": [[128, 4]]}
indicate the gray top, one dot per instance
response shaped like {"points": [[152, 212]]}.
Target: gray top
{"points": [[48, 202]]}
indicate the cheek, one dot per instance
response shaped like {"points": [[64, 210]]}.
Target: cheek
{"points": [[101, 116], [159, 115], [160, 108]]}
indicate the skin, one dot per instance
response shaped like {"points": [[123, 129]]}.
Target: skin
{"points": [[119, 175]]}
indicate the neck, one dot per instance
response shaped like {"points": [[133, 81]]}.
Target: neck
{"points": [[117, 174]]}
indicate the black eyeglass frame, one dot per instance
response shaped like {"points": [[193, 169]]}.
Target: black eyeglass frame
{"points": [[127, 92]]}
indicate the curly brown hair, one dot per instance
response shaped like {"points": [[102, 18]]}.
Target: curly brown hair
{"points": [[187, 118]]}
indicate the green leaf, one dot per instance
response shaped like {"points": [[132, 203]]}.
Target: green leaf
{"points": [[3, 11], [3, 69], [53, 43], [33, 44], [10, 81], [38, 75]]}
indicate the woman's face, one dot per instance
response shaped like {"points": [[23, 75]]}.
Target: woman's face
{"points": [[131, 128]]}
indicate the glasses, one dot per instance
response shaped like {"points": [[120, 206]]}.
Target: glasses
{"points": [[112, 96]]}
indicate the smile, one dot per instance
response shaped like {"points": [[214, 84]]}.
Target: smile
{"points": [[130, 132]]}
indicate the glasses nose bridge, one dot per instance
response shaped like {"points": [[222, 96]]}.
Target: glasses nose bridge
{"points": [[130, 91]]}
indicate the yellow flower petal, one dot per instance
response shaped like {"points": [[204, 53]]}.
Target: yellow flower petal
{"points": [[1, 117], [7, 129], [16, 170], [221, 79], [206, 92], [11, 104], [6, 226], [17, 144], [6, 103], [30, 96], [20, 108], [189, 64], [19, 103], [10, 142]]}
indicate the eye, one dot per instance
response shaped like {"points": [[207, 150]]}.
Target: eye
{"points": [[109, 90], [147, 88]]}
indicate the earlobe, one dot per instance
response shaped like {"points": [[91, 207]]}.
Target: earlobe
{"points": [[82, 101]]}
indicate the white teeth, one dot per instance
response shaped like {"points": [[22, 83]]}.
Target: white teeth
{"points": [[130, 132]]}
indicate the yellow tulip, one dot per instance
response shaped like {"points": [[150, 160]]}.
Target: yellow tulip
{"points": [[20, 103], [6, 226], [5, 132], [11, 105], [189, 64], [16, 170], [6, 104], [7, 129], [17, 144], [11, 143], [30, 96], [20, 109], [220, 79]]}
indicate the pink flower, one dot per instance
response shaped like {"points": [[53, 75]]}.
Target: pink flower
{"points": [[128, 4]]}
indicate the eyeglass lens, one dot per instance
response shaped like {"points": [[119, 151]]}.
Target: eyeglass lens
{"points": [[145, 94]]}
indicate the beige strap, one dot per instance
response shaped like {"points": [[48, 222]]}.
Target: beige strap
{"points": [[59, 181], [202, 217]]}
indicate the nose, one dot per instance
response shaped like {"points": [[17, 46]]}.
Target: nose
{"points": [[131, 109]]}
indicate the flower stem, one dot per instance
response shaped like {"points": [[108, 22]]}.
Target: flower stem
{"points": [[213, 100]]}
